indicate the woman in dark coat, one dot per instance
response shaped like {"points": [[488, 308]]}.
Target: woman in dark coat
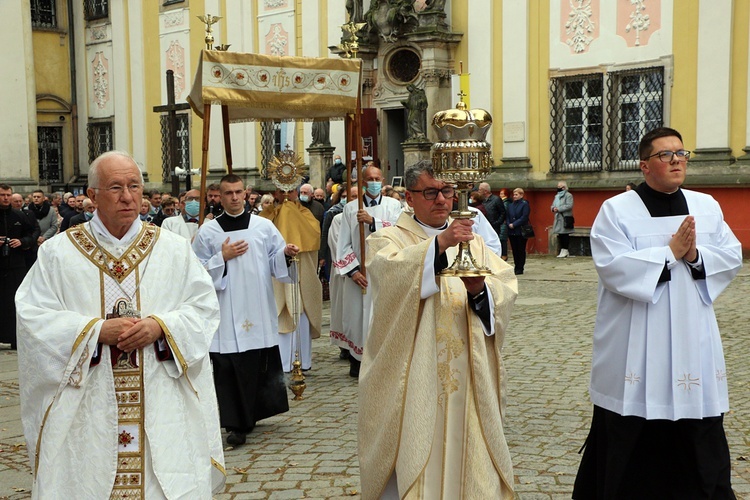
{"points": [[518, 216]]}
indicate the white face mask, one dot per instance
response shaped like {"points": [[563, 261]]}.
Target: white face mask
{"points": [[304, 198]]}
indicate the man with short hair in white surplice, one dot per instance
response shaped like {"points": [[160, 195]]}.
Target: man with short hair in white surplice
{"points": [[658, 376], [116, 391], [241, 252], [379, 211], [432, 386]]}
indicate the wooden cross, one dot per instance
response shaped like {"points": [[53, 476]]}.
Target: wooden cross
{"points": [[171, 109]]}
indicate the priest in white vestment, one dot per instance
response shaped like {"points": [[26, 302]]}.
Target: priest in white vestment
{"points": [[242, 252], [298, 226], [116, 391], [658, 376], [379, 212], [432, 386]]}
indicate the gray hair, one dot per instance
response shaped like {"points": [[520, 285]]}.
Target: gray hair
{"points": [[412, 172], [94, 174], [563, 183]]}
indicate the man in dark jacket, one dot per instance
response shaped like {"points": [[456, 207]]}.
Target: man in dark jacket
{"points": [[17, 234], [493, 206]]}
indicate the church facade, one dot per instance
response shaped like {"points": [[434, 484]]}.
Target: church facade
{"points": [[572, 85]]}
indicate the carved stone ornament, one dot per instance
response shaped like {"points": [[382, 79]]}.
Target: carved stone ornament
{"points": [[579, 27]]}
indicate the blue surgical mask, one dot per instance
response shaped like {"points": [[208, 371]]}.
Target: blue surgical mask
{"points": [[342, 201], [337, 161], [192, 208], [374, 187], [304, 198], [88, 215]]}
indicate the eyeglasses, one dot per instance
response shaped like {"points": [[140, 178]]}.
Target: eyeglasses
{"points": [[117, 190], [431, 193], [666, 156]]}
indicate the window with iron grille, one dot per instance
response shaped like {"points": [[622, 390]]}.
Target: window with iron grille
{"points": [[43, 14], [598, 119], [182, 136], [100, 138], [50, 154], [95, 9], [270, 136]]}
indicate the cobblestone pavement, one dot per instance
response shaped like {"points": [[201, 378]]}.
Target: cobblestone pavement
{"points": [[311, 451]]}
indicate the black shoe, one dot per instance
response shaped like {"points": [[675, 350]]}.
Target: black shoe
{"points": [[518, 272], [343, 353], [236, 438], [354, 367]]}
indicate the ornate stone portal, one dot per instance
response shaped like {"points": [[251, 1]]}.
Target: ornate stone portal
{"points": [[400, 47]]}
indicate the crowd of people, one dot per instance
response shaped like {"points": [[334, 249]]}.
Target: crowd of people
{"points": [[424, 346]]}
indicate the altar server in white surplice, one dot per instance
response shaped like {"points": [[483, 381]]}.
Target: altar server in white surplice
{"points": [[337, 280], [117, 398], [658, 377], [242, 252], [432, 386], [379, 212]]}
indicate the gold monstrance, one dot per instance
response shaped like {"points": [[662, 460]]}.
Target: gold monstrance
{"points": [[462, 158], [287, 169]]}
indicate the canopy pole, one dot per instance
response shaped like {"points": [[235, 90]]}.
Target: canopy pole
{"points": [[357, 136], [227, 137], [204, 159]]}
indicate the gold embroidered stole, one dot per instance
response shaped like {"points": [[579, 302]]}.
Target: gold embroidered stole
{"points": [[127, 369]]}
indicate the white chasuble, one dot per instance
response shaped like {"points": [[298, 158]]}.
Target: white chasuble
{"points": [[432, 381], [657, 352], [102, 423]]}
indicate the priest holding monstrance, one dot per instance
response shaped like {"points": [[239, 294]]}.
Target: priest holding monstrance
{"points": [[432, 384]]}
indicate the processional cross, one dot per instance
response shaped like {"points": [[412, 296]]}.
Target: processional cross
{"points": [[171, 109]]}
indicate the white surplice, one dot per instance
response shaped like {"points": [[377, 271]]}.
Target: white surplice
{"points": [[243, 284], [356, 315], [179, 225], [336, 289], [73, 412], [657, 351]]}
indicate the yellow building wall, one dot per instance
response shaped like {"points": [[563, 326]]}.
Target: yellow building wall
{"points": [[738, 81], [684, 101], [539, 107], [153, 77], [52, 76]]}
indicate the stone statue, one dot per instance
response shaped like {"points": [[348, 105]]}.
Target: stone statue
{"points": [[435, 5], [391, 18], [416, 116], [321, 131], [354, 8]]}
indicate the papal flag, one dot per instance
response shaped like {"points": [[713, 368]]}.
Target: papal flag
{"points": [[258, 87]]}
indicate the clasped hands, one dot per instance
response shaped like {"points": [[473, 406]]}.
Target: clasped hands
{"points": [[683, 242], [129, 334]]}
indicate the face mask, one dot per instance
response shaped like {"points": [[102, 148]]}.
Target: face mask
{"points": [[560, 190], [88, 215], [374, 187], [192, 207], [304, 198], [337, 162], [342, 201]]}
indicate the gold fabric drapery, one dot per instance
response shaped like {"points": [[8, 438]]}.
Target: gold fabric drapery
{"points": [[257, 87]]}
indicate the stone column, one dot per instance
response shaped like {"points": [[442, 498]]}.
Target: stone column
{"points": [[415, 151], [321, 158]]}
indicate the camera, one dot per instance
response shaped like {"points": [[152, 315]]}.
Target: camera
{"points": [[5, 242]]}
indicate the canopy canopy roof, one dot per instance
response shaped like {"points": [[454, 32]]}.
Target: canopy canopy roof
{"points": [[257, 87]]}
